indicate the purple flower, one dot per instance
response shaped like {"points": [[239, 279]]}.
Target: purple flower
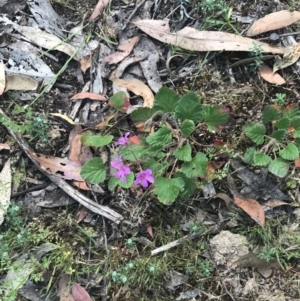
{"points": [[144, 177], [122, 170], [123, 140]]}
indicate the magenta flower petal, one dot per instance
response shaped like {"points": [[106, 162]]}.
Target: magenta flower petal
{"points": [[122, 170], [143, 178], [123, 140]]}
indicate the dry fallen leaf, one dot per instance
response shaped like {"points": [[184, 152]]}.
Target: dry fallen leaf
{"points": [[267, 74], [196, 40], [62, 116], [273, 21], [297, 163], [104, 123], [225, 198], [5, 189], [137, 87], [61, 167], [20, 82], [99, 8], [272, 203], [79, 293], [289, 58], [125, 48], [251, 207], [93, 96], [2, 78]]}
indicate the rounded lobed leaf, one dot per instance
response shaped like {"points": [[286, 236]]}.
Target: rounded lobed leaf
{"points": [[94, 171]]}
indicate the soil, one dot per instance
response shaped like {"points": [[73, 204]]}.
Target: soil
{"points": [[222, 252]]}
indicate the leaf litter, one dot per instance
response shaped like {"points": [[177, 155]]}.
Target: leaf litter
{"points": [[137, 66]]}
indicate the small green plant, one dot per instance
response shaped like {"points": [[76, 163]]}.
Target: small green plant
{"points": [[267, 254], [256, 53], [165, 158], [280, 99], [36, 126], [279, 135]]}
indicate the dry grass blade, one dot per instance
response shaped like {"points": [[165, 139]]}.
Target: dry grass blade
{"points": [[195, 40], [273, 21]]}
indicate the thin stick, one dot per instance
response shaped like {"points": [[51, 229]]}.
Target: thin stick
{"points": [[181, 240]]}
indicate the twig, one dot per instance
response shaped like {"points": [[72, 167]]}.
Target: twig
{"points": [[181, 240], [61, 183], [133, 12], [33, 188]]}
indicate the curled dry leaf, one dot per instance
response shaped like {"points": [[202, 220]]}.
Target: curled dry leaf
{"points": [[272, 203], [2, 78], [267, 74], [20, 82], [297, 163], [289, 58], [61, 167], [125, 48], [137, 87], [196, 40], [273, 21], [79, 293], [99, 8], [225, 198], [251, 207], [89, 95]]}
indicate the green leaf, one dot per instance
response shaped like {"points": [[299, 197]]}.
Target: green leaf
{"points": [[132, 152], [168, 190], [189, 186], [297, 143], [89, 139], [248, 156], [160, 137], [157, 168], [255, 132], [213, 116], [283, 123], [279, 135], [196, 167], [189, 107], [296, 125], [187, 127], [291, 113], [166, 100], [279, 167], [184, 153], [141, 115], [94, 171], [261, 159], [114, 182], [119, 100], [290, 152], [270, 114]]}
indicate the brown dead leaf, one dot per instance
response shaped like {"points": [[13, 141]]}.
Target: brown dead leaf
{"points": [[137, 87], [225, 198], [93, 96], [251, 207], [125, 48], [85, 63], [61, 167], [4, 146], [267, 74], [75, 149], [20, 82], [297, 163], [2, 78], [81, 214], [273, 21], [196, 40], [79, 293], [274, 203], [99, 8]]}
